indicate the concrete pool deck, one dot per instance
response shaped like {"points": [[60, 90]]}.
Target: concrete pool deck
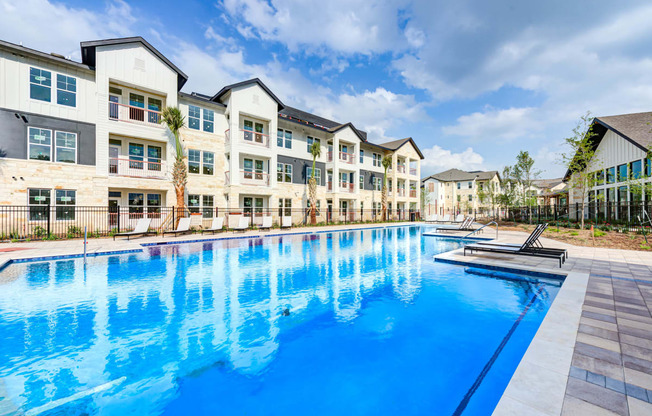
{"points": [[592, 354]]}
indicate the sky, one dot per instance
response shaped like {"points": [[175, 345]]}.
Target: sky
{"points": [[472, 82]]}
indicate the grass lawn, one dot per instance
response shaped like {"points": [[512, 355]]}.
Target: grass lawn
{"points": [[606, 239]]}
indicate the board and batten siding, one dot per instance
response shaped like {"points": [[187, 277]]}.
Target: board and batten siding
{"points": [[615, 150]]}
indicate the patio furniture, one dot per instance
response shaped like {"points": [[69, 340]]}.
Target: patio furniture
{"points": [[465, 225], [286, 222], [432, 218], [528, 248], [445, 218], [216, 226], [532, 242], [141, 229], [182, 228], [267, 223], [243, 224], [459, 218]]}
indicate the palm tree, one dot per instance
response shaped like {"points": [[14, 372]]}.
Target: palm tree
{"points": [[315, 151], [174, 120], [386, 162]]}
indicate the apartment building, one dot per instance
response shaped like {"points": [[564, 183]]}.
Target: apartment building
{"points": [[622, 167], [549, 192], [456, 191], [89, 134]]}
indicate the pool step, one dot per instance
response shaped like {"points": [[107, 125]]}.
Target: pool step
{"points": [[7, 407]]}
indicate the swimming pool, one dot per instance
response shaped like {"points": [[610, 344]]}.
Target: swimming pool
{"points": [[357, 323]]}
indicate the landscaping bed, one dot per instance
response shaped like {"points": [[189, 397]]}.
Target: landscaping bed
{"points": [[614, 238]]}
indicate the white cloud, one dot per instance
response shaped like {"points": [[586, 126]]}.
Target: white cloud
{"points": [[54, 27], [436, 159], [503, 125]]}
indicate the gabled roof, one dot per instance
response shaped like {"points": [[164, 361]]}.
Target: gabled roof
{"points": [[88, 54], [456, 175], [547, 183], [48, 56], [349, 124], [200, 97], [228, 88], [397, 144], [635, 128]]}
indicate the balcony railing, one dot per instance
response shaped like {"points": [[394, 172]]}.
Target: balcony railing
{"points": [[400, 168], [347, 157], [137, 168], [413, 193], [248, 177], [330, 187], [227, 178], [401, 192], [227, 136], [252, 137], [413, 171], [136, 115], [347, 187]]}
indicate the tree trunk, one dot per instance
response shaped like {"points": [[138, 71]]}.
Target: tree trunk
{"points": [[179, 180], [312, 196], [384, 202]]}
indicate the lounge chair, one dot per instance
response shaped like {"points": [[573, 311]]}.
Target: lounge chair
{"points": [[141, 229], [182, 228], [243, 224], [216, 226], [445, 218], [286, 222], [267, 223], [465, 225], [528, 248], [432, 218], [532, 242], [459, 218]]}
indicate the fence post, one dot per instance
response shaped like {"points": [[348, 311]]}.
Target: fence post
{"points": [[48, 215], [118, 217]]}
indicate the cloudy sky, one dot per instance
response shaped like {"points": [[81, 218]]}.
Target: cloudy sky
{"points": [[472, 81]]}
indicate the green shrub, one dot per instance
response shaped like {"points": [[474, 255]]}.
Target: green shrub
{"points": [[574, 233], [598, 233], [39, 231]]}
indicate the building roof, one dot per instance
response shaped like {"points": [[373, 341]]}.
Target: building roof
{"points": [[547, 183], [49, 56], [260, 83], [200, 97], [88, 54], [635, 128], [397, 144], [456, 175]]}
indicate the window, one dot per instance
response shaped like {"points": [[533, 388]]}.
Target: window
{"points": [[470, 198], [136, 204], [136, 153], [599, 177], [209, 119], [377, 159], [378, 183], [154, 205], [648, 167], [40, 82], [66, 90], [254, 132], [38, 201], [611, 175], [65, 204], [635, 169], [194, 113], [310, 141], [361, 182], [66, 147], [154, 158], [361, 156], [207, 204], [154, 105], [317, 174], [194, 161], [284, 172], [622, 173], [208, 162], [459, 185], [194, 202], [284, 207], [480, 186], [40, 144], [284, 139], [470, 185]]}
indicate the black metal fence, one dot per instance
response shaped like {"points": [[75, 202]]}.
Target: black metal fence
{"points": [[44, 222]]}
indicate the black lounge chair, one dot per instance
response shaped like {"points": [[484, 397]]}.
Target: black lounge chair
{"points": [[531, 247], [466, 225], [141, 229]]}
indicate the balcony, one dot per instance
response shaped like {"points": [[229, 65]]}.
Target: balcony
{"points": [[400, 168], [248, 137], [413, 193], [329, 187], [347, 187], [248, 177], [135, 115], [401, 192], [413, 171], [136, 168], [344, 157]]}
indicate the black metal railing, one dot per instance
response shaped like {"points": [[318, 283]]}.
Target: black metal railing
{"points": [[46, 222]]}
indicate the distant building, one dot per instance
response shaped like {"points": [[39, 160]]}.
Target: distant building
{"points": [[550, 192], [456, 191]]}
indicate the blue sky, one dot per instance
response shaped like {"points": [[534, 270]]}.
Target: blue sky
{"points": [[473, 82]]}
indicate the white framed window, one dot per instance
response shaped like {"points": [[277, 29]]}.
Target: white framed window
{"points": [[284, 172], [284, 207], [65, 200], [378, 183], [39, 143], [194, 161], [38, 199], [65, 147], [40, 84], [317, 174], [377, 159], [207, 203], [194, 203], [209, 120], [194, 115], [361, 156], [208, 163], [284, 138], [66, 90], [361, 181], [310, 140]]}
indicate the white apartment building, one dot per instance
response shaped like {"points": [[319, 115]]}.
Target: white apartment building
{"points": [[455, 191], [89, 134], [622, 168]]}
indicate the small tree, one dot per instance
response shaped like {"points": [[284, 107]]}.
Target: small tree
{"points": [[525, 174], [315, 151], [581, 152], [489, 194], [387, 163], [174, 120]]}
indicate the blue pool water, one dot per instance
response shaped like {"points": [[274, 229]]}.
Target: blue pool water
{"points": [[372, 326]]}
